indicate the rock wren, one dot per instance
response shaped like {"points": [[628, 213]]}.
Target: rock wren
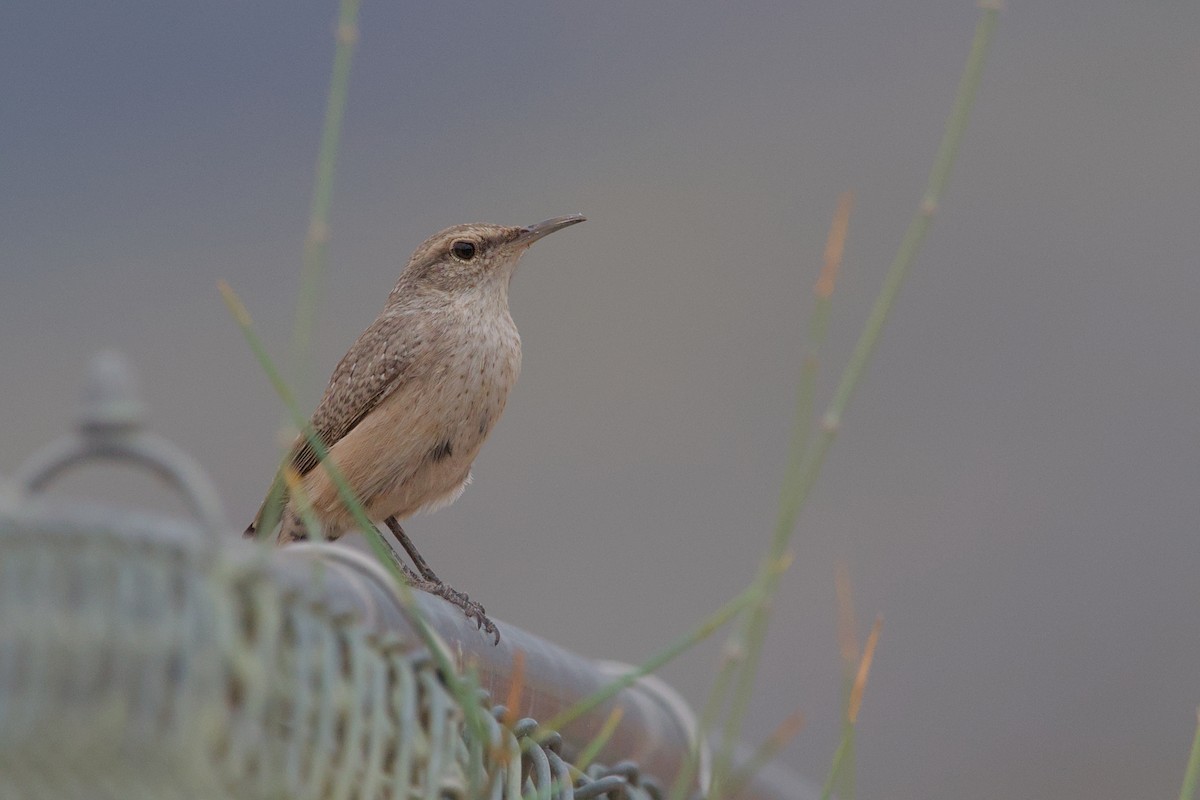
{"points": [[410, 404]]}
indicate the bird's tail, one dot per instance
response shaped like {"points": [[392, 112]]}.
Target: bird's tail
{"points": [[271, 510]]}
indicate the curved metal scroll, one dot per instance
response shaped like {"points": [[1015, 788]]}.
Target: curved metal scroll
{"points": [[111, 428]]}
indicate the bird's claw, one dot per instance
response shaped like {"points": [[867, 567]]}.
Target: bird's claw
{"points": [[472, 610]]}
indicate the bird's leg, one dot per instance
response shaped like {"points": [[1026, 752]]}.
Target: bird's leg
{"points": [[293, 530], [410, 548], [428, 581], [409, 575]]}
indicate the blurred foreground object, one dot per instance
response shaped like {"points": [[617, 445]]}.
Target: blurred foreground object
{"points": [[144, 656]]}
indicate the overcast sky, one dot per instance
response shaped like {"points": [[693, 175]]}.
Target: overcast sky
{"points": [[1016, 488]]}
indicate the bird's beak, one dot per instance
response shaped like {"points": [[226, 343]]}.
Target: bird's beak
{"points": [[531, 234]]}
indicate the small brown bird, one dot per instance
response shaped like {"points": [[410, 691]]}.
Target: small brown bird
{"points": [[410, 404]]}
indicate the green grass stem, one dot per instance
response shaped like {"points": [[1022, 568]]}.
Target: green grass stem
{"points": [[804, 467], [844, 782], [836, 765], [1191, 775], [818, 323], [316, 240], [801, 428], [854, 698]]}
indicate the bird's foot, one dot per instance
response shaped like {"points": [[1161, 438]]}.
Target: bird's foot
{"points": [[428, 581], [472, 610]]}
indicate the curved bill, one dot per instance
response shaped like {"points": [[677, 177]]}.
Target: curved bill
{"points": [[532, 233]]}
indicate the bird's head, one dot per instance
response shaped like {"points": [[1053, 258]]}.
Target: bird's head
{"points": [[464, 257]]}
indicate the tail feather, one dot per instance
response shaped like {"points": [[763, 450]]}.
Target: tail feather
{"points": [[270, 511]]}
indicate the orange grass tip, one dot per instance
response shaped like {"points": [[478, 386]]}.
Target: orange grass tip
{"points": [[864, 671], [236, 306], [835, 246]]}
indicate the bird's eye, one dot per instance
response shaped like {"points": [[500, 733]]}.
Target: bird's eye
{"points": [[463, 250]]}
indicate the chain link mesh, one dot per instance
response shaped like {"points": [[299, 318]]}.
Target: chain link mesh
{"points": [[137, 661]]}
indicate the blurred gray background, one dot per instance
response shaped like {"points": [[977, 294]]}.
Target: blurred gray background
{"points": [[1016, 486]]}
